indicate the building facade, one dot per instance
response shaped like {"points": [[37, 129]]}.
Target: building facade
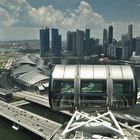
{"points": [[44, 42]]}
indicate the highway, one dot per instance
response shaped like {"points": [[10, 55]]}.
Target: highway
{"points": [[35, 123]]}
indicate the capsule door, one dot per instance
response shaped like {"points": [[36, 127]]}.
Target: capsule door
{"points": [[93, 95], [124, 94]]}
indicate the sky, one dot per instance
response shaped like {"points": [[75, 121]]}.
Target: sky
{"points": [[22, 19]]}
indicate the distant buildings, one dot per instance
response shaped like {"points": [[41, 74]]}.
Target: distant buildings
{"points": [[45, 47], [122, 49], [80, 44]]}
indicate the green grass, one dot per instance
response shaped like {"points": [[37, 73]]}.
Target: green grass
{"points": [[15, 99]]}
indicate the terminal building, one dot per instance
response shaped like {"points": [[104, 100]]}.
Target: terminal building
{"points": [[29, 75]]}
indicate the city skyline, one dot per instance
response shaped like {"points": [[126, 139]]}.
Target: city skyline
{"points": [[24, 18]]}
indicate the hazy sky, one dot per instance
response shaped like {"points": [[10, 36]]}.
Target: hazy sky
{"points": [[21, 19]]}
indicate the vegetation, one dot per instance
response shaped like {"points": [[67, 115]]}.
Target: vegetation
{"points": [[15, 99]]}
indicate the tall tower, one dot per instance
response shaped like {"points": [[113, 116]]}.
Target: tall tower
{"points": [[110, 34], [56, 42], [87, 42], [44, 42], [70, 41], [125, 46], [130, 39], [105, 41], [80, 43], [137, 45], [130, 31], [74, 43]]}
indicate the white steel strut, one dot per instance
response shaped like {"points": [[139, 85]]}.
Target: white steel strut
{"points": [[83, 126]]}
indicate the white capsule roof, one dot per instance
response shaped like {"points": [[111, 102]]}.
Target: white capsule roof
{"points": [[118, 72]]}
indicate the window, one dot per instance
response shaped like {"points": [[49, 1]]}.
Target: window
{"points": [[64, 86], [93, 86], [122, 87]]}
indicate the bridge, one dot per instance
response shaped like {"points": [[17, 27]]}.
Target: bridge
{"points": [[36, 98], [20, 103], [33, 97], [35, 123]]}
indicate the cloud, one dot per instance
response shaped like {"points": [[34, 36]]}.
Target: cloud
{"points": [[81, 18], [138, 5], [19, 13]]}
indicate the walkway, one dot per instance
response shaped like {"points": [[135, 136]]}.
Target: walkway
{"points": [[20, 103]]}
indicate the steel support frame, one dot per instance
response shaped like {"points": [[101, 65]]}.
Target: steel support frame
{"points": [[97, 119]]}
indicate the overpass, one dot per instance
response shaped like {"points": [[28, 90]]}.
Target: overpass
{"points": [[36, 98], [35, 123]]}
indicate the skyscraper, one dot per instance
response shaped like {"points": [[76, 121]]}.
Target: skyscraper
{"points": [[137, 45], [56, 42], [130, 31], [44, 42], [105, 41], [80, 43], [69, 41], [130, 39], [125, 46], [87, 48], [74, 43], [110, 34]]}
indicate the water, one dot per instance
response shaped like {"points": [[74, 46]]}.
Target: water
{"points": [[47, 113], [8, 133]]}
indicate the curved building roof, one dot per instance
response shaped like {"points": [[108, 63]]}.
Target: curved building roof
{"points": [[24, 60], [22, 69], [32, 77]]}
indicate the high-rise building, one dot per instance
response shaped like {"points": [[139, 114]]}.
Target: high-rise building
{"points": [[87, 48], [74, 43], [130, 31], [69, 41], [112, 50], [79, 43], [119, 52], [130, 39], [125, 46], [137, 45], [56, 42], [105, 41], [110, 34], [44, 42]]}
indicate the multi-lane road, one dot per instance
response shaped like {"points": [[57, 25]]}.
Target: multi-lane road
{"points": [[35, 123]]}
